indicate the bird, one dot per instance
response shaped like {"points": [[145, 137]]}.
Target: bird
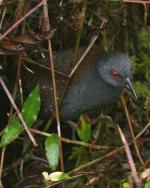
{"points": [[97, 83]]}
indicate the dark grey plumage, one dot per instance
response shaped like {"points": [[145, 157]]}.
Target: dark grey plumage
{"points": [[93, 86]]}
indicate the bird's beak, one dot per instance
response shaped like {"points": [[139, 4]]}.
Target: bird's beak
{"points": [[130, 87]]}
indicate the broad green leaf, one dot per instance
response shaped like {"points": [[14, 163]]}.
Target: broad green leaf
{"points": [[30, 111], [31, 106], [52, 150], [11, 132], [84, 131], [55, 176]]}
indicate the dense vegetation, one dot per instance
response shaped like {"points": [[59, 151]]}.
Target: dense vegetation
{"points": [[96, 157]]}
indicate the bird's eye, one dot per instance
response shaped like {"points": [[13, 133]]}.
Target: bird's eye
{"points": [[115, 74]]}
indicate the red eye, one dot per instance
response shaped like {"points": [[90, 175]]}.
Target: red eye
{"points": [[115, 74]]}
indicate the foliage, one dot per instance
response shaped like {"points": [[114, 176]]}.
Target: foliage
{"points": [[52, 151], [126, 30], [144, 37], [147, 185], [84, 130], [30, 111], [11, 132], [55, 176]]}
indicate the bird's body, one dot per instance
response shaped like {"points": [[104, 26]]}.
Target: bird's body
{"points": [[87, 85], [92, 87]]}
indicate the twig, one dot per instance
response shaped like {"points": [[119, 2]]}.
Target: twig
{"points": [[134, 173], [15, 89], [69, 141], [2, 18], [1, 165], [108, 155], [83, 13], [21, 19], [28, 60], [18, 112], [143, 130], [94, 38], [47, 24], [131, 129]]}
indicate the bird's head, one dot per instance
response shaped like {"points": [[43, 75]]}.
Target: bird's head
{"points": [[115, 69]]}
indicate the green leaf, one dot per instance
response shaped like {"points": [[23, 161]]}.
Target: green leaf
{"points": [[125, 185], [11, 132], [55, 176], [31, 106], [30, 111], [84, 131], [52, 150], [147, 185]]}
